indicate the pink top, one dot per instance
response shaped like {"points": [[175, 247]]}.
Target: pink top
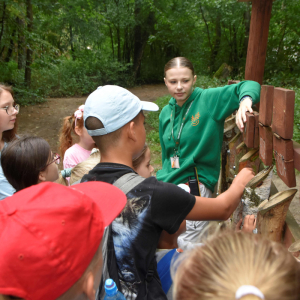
{"points": [[75, 155]]}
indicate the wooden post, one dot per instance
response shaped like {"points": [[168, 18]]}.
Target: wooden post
{"points": [[272, 213], [258, 40], [250, 160]]}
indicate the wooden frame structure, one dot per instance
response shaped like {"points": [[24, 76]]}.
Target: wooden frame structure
{"points": [[264, 137]]}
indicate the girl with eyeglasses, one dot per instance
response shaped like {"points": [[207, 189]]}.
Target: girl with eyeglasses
{"points": [[28, 160], [8, 129]]}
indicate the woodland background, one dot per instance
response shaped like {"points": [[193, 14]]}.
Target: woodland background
{"points": [[64, 48]]}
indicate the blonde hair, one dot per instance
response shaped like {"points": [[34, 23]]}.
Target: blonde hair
{"points": [[232, 259], [81, 169]]}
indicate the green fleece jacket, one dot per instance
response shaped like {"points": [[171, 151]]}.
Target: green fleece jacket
{"points": [[202, 133]]}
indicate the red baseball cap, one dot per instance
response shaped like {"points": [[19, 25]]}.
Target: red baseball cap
{"points": [[49, 235]]}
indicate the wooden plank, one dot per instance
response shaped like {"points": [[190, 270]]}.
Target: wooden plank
{"points": [[249, 130], [266, 145], [256, 130], [258, 39], [266, 105], [283, 112]]}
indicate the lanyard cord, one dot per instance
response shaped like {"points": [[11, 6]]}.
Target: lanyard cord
{"points": [[182, 121]]}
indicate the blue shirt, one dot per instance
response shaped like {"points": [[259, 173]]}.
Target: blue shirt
{"points": [[6, 189]]}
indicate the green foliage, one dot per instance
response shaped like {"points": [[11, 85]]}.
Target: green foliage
{"points": [[80, 44], [296, 136]]}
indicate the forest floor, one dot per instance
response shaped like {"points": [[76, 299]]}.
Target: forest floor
{"points": [[45, 120]]}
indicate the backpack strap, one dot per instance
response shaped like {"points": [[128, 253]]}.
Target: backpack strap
{"points": [[110, 269], [128, 182]]}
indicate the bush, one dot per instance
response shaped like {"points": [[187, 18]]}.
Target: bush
{"points": [[65, 76]]}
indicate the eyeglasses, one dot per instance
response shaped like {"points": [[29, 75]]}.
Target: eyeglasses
{"points": [[11, 109], [55, 158]]}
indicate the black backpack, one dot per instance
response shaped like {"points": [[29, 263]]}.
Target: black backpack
{"points": [[110, 268]]}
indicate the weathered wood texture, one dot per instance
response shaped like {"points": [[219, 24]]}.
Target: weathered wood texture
{"points": [[258, 39], [250, 134], [272, 215], [266, 145], [229, 133], [266, 105], [283, 112], [284, 156], [233, 154], [250, 160]]}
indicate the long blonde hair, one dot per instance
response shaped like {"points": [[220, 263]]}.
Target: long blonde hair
{"points": [[232, 259], [81, 169]]}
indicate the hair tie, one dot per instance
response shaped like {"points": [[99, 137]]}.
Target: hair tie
{"points": [[94, 150], [66, 172], [248, 290], [78, 113]]}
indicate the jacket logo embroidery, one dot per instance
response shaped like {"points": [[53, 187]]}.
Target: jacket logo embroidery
{"points": [[195, 120]]}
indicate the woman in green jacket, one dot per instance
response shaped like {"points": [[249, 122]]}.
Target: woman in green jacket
{"points": [[191, 126]]}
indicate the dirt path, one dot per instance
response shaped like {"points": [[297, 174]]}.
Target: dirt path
{"points": [[45, 120]]}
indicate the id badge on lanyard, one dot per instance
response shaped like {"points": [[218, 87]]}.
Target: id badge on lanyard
{"points": [[175, 162], [175, 159]]}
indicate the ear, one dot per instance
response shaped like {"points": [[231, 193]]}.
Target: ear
{"points": [[195, 78], [88, 286], [165, 80], [42, 176], [78, 130], [131, 131]]}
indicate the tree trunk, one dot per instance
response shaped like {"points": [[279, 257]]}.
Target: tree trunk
{"points": [[71, 41], [126, 50], [216, 47], [28, 50], [247, 30], [11, 47], [119, 43], [2, 22], [21, 43], [235, 55], [141, 34], [112, 41]]}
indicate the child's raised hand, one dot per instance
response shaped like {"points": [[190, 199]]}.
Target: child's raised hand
{"points": [[249, 224], [244, 176]]}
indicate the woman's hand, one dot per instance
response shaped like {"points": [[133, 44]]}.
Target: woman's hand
{"points": [[240, 118]]}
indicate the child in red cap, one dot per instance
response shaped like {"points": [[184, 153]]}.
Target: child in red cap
{"points": [[50, 237]]}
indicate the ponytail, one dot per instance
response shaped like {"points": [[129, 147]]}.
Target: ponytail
{"points": [[69, 124], [65, 138]]}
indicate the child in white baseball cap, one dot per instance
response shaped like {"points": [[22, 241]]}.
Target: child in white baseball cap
{"points": [[114, 118]]}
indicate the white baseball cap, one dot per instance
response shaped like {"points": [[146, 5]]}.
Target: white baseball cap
{"points": [[114, 106]]}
